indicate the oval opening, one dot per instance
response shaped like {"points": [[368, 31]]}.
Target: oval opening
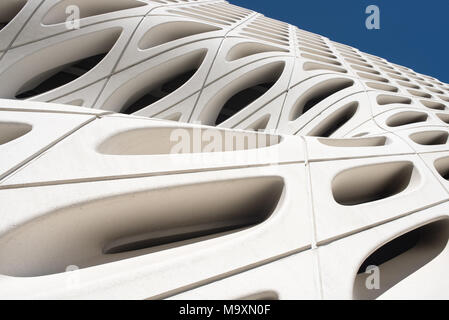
{"points": [[335, 121], [443, 117], [317, 52], [242, 92], [10, 131], [131, 225], [382, 86], [370, 183], [371, 77], [155, 84], [430, 138], [267, 34], [355, 143], [405, 118], [442, 166], [65, 68], [397, 77], [384, 99], [165, 140], [357, 62], [417, 93], [317, 94], [247, 49], [200, 16], [444, 98], [435, 90], [171, 31], [312, 66], [408, 84], [433, 105], [401, 257], [315, 47], [320, 59]]}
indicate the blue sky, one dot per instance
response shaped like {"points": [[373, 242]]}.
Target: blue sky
{"points": [[413, 33]]}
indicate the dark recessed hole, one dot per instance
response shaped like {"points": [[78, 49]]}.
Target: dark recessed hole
{"points": [[371, 182], [405, 118], [36, 74], [401, 257], [9, 9], [430, 138], [62, 76], [253, 86], [241, 100], [160, 92], [335, 121], [317, 94], [156, 84], [137, 224], [10, 131], [391, 250], [442, 166]]}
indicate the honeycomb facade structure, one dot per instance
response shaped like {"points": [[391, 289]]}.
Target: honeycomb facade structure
{"points": [[327, 160]]}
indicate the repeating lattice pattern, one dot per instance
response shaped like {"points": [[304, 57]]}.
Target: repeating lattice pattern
{"points": [[349, 167]]}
